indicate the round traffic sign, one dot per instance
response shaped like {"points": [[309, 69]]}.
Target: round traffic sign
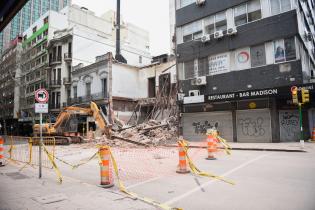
{"points": [[41, 96]]}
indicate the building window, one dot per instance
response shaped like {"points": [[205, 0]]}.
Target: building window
{"points": [[59, 53], [248, 12], [104, 87], [220, 21], [75, 93], [46, 20], [278, 6], [192, 31], [45, 32], [184, 3], [189, 69], [140, 59], [203, 66], [34, 29], [88, 89], [284, 50], [215, 23], [258, 55]]}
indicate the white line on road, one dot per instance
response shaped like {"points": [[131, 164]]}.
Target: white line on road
{"points": [[173, 200], [144, 182]]}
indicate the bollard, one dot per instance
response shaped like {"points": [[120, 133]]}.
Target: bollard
{"points": [[211, 147], [182, 166], [106, 173], [1, 151], [313, 134]]}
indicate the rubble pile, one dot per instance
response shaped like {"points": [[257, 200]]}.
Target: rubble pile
{"points": [[151, 133]]}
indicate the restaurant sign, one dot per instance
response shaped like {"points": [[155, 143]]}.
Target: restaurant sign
{"points": [[249, 94]]}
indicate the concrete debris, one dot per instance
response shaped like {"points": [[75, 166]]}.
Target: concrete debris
{"points": [[151, 133]]}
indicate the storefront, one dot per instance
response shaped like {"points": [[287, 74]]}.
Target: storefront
{"points": [[265, 115]]}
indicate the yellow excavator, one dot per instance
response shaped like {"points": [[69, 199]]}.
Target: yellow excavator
{"points": [[65, 128]]}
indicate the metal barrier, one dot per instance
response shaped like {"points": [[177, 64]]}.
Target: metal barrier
{"points": [[26, 149]]}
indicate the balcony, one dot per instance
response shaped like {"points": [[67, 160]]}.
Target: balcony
{"points": [[55, 60], [88, 98], [66, 81], [54, 83], [68, 57]]}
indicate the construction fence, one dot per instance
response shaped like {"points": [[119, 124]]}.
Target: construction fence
{"points": [[25, 150]]}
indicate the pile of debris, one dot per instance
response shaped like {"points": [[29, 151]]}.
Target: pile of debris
{"points": [[155, 133]]}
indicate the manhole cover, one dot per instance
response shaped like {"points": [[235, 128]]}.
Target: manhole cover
{"points": [[50, 198], [17, 175]]}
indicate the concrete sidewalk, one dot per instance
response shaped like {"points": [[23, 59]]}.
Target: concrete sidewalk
{"points": [[23, 190], [283, 146]]}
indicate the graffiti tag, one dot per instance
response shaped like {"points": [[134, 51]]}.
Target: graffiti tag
{"points": [[252, 127], [201, 128]]}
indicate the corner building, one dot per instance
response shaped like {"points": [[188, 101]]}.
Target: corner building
{"points": [[237, 61]]}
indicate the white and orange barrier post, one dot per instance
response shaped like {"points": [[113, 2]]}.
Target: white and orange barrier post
{"points": [[313, 134], [182, 165], [106, 173], [1, 151], [211, 146]]}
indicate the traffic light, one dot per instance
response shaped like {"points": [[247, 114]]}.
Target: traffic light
{"points": [[305, 95], [294, 92]]}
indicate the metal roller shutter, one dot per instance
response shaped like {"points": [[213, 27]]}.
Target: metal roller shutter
{"points": [[289, 125], [196, 124], [253, 125]]}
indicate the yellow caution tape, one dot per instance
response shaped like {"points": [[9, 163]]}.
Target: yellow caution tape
{"points": [[227, 147], [132, 194], [51, 158], [74, 166], [195, 170]]}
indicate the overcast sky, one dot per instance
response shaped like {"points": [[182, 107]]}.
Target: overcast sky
{"points": [[151, 15]]}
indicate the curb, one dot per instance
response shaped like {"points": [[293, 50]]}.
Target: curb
{"points": [[249, 149]]}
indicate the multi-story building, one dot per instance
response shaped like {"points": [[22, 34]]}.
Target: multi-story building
{"points": [[10, 70], [71, 37], [238, 60], [124, 84], [29, 13]]}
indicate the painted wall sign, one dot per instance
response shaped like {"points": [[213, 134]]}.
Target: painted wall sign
{"points": [[257, 93], [219, 64]]}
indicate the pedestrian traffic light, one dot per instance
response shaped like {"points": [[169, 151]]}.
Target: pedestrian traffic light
{"points": [[305, 95], [294, 91]]}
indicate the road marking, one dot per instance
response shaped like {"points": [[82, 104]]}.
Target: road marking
{"points": [[144, 182], [188, 193]]}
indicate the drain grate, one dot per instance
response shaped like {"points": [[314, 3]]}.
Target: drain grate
{"points": [[17, 175]]}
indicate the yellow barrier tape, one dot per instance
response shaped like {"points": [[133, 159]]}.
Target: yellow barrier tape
{"points": [[74, 166], [227, 147], [134, 195], [195, 170], [51, 158]]}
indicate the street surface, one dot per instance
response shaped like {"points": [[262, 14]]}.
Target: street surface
{"points": [[264, 181]]}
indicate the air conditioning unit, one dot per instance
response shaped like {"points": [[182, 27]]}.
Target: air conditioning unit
{"points": [[180, 96], [205, 38], [218, 34], [194, 92], [199, 81], [232, 31], [200, 2]]}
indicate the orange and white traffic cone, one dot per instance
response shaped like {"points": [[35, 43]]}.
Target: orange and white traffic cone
{"points": [[211, 147], [1, 151], [182, 165], [106, 173], [313, 134]]}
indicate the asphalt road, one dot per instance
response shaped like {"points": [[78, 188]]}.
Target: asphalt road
{"points": [[263, 180]]}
